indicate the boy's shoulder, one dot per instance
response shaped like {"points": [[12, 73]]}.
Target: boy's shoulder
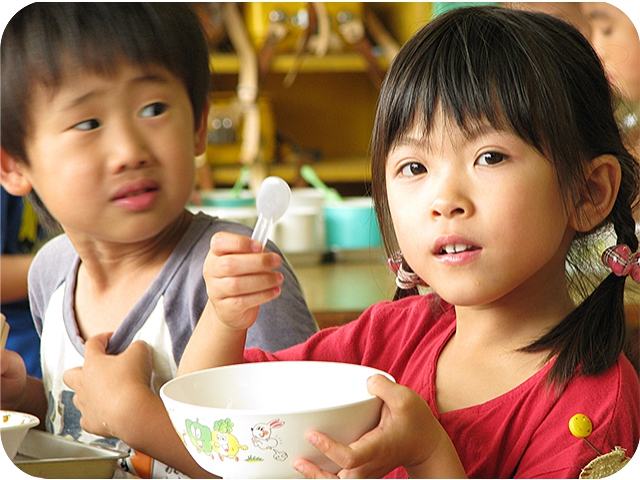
{"points": [[195, 242], [204, 222], [54, 256], [51, 266]]}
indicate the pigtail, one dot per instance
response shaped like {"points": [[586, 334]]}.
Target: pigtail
{"points": [[590, 339], [403, 293]]}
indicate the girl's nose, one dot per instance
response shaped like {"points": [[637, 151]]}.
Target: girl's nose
{"points": [[451, 200]]}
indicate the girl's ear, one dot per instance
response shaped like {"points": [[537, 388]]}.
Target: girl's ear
{"points": [[201, 131], [598, 193], [11, 176]]}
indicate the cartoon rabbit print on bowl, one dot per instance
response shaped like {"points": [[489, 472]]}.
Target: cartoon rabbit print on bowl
{"points": [[262, 438]]}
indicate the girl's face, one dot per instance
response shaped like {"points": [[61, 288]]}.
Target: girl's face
{"points": [[477, 217], [112, 157]]}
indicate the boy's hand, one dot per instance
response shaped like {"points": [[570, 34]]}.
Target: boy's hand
{"points": [[13, 380], [239, 278], [408, 435], [108, 387]]}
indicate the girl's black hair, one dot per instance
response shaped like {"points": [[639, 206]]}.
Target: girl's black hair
{"points": [[538, 77], [44, 40]]}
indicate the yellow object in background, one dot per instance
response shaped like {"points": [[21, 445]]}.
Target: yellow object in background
{"points": [[29, 226], [225, 130], [262, 17], [289, 21]]}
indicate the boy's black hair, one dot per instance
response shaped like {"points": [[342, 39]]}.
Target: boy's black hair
{"points": [[43, 40], [538, 77]]}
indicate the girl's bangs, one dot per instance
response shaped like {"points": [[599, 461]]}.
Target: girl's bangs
{"points": [[469, 89]]}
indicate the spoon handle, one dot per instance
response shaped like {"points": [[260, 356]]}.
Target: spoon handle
{"points": [[261, 230]]}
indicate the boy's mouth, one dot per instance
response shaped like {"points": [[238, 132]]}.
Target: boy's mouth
{"points": [[135, 193], [135, 189]]}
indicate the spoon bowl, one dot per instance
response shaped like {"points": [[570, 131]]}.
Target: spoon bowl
{"points": [[272, 202]]}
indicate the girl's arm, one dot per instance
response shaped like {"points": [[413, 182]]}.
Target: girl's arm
{"points": [[239, 277], [408, 436]]}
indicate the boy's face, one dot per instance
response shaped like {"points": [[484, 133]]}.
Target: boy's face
{"points": [[112, 157]]}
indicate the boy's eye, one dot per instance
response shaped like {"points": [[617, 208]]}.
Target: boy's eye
{"points": [[412, 169], [87, 125], [491, 158], [153, 110]]}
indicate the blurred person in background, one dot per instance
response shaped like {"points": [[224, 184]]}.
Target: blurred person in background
{"points": [[615, 38], [21, 234]]}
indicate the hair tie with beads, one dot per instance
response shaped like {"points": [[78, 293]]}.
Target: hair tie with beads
{"points": [[405, 279], [622, 261]]}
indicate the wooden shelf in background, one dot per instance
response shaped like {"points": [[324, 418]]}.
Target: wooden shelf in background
{"points": [[227, 63]]}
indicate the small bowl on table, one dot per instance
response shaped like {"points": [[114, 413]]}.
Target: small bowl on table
{"points": [[251, 420], [13, 428]]}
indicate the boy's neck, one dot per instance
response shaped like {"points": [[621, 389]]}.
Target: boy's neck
{"points": [[111, 278], [105, 261]]}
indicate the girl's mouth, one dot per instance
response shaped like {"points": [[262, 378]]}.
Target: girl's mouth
{"points": [[456, 248]]}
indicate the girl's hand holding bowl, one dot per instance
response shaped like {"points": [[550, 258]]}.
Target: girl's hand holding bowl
{"points": [[252, 420]]}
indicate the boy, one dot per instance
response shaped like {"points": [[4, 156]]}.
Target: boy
{"points": [[104, 109]]}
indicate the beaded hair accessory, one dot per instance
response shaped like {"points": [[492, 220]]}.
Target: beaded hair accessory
{"points": [[405, 279], [622, 261]]}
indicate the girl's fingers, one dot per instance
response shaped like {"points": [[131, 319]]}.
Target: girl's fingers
{"points": [[224, 243], [389, 392], [242, 303], [248, 284], [339, 453], [310, 469]]}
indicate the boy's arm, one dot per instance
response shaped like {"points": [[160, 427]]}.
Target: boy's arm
{"points": [[130, 411], [154, 435], [239, 277]]}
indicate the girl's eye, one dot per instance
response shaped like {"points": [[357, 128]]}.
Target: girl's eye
{"points": [[491, 158], [87, 125], [153, 110], [412, 169]]}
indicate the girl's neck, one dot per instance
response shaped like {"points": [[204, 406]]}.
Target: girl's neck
{"points": [[483, 360], [521, 315]]}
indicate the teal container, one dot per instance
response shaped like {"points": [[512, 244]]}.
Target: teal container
{"points": [[351, 224], [223, 197]]}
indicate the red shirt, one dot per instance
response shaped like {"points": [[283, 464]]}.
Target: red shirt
{"points": [[522, 433]]}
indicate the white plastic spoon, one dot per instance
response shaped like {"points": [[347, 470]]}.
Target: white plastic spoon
{"points": [[272, 201]]}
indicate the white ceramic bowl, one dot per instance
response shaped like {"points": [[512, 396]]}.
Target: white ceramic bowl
{"points": [[250, 420], [13, 428]]}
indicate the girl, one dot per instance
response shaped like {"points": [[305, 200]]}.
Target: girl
{"points": [[496, 162]]}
